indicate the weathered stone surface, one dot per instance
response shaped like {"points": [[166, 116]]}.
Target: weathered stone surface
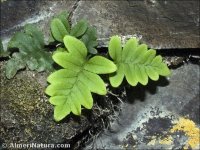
{"points": [[27, 116], [150, 113], [160, 24], [15, 14]]}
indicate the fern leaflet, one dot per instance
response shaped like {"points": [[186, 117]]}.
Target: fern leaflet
{"points": [[82, 30], [135, 62], [71, 87]]}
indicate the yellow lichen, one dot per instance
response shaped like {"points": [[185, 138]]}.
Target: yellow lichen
{"points": [[153, 141], [191, 131], [167, 141]]}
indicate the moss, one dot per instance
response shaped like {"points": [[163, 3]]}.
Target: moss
{"points": [[26, 114]]}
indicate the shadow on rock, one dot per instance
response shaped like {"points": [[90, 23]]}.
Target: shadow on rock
{"points": [[139, 92]]}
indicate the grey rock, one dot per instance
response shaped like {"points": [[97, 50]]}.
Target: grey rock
{"points": [[15, 14], [150, 112], [160, 24], [26, 115]]}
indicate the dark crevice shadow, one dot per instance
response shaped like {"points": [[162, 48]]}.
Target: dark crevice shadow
{"points": [[166, 51], [139, 92]]}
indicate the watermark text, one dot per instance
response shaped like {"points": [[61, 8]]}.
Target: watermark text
{"points": [[34, 145]]}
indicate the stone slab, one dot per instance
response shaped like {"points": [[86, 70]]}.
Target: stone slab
{"points": [[149, 113], [161, 24], [38, 12]]}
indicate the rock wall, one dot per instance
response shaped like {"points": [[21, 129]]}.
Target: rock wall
{"points": [[27, 116]]}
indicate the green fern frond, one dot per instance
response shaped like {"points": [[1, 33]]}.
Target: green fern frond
{"points": [[60, 26], [82, 30], [58, 29], [71, 87], [64, 16], [32, 54], [135, 62], [89, 38], [79, 28]]}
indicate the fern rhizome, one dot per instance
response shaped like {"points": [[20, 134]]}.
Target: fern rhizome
{"points": [[72, 86]]}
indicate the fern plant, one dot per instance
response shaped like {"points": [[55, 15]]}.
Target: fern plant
{"points": [[32, 54], [135, 62], [71, 87], [60, 27]]}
